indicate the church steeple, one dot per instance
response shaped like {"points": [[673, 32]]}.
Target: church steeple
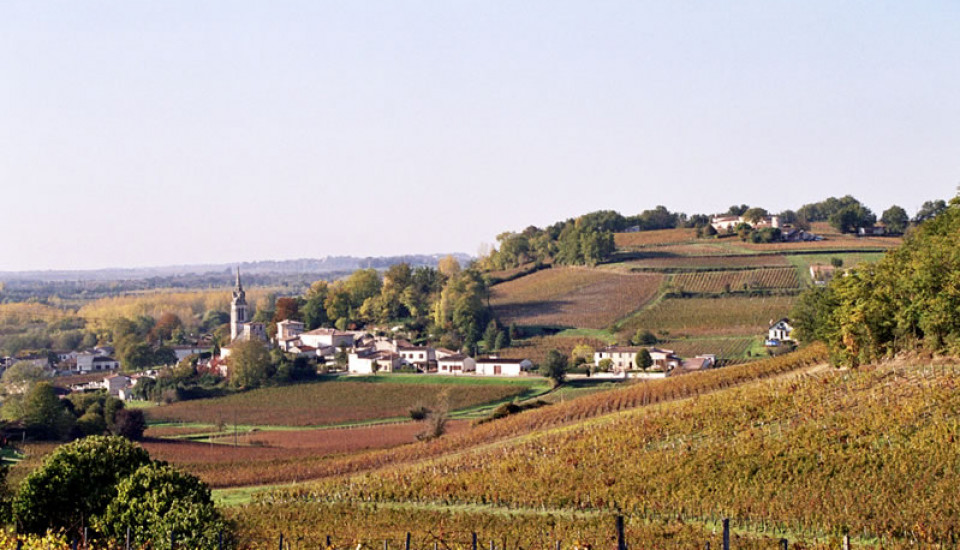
{"points": [[238, 309]]}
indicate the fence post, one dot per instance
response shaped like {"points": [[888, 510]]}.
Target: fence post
{"points": [[621, 539], [558, 545], [406, 544], [128, 538], [75, 545], [473, 545], [726, 533], [706, 546], [783, 544], [220, 540], [173, 539], [281, 541], [385, 545], [846, 542], [328, 541], [19, 545]]}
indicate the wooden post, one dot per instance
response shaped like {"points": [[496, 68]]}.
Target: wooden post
{"points": [[473, 545], [75, 545], [220, 540], [173, 539], [386, 545], [621, 538], [281, 541], [492, 547], [128, 538], [19, 545], [726, 533], [846, 542], [435, 545], [706, 546], [406, 544], [328, 541], [558, 545], [783, 544]]}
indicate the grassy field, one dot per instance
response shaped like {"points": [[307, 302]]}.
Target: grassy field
{"points": [[572, 297], [716, 282], [697, 317], [341, 401]]}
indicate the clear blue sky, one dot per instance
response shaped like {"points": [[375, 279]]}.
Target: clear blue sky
{"points": [[171, 132]]}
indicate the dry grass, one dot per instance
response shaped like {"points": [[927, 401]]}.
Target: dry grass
{"points": [[326, 403], [573, 297], [740, 316]]}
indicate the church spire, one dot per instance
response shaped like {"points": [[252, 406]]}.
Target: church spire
{"points": [[239, 285]]}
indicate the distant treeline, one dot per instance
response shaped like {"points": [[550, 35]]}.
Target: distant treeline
{"points": [[588, 239]]}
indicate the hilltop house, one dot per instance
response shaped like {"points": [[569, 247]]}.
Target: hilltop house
{"points": [[323, 337], [724, 224], [779, 332]]}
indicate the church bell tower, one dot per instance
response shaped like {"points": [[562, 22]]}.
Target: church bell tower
{"points": [[238, 309]]}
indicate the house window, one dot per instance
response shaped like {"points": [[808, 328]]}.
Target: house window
{"points": [[497, 369]]}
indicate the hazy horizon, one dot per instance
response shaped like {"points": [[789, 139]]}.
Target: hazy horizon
{"points": [[182, 133]]}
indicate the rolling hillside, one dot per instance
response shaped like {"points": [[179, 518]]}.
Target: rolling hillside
{"points": [[714, 295]]}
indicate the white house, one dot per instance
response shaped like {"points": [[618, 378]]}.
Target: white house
{"points": [[456, 364], [328, 337], [726, 223], [779, 332], [624, 357], [370, 361], [182, 352], [289, 328], [499, 366], [113, 384], [90, 362], [420, 357]]}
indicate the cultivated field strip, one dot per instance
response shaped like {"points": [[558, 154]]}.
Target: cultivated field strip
{"points": [[717, 282], [572, 297]]}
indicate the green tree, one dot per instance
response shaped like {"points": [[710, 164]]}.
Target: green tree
{"points": [[313, 310], [755, 214], [44, 415], [554, 367], [130, 423], [644, 337], [157, 499], [75, 483], [930, 210], [895, 219], [852, 217], [605, 365], [250, 364], [21, 376], [643, 360]]}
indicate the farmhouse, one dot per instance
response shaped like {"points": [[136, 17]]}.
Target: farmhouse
{"points": [[623, 357], [420, 357], [371, 361], [288, 329], [91, 362], [456, 364], [728, 223], [328, 337], [183, 352], [499, 366], [779, 332]]}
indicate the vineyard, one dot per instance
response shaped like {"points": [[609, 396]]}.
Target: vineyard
{"points": [[817, 455], [654, 238], [692, 263], [716, 282], [733, 316], [331, 402], [572, 297], [724, 348]]}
